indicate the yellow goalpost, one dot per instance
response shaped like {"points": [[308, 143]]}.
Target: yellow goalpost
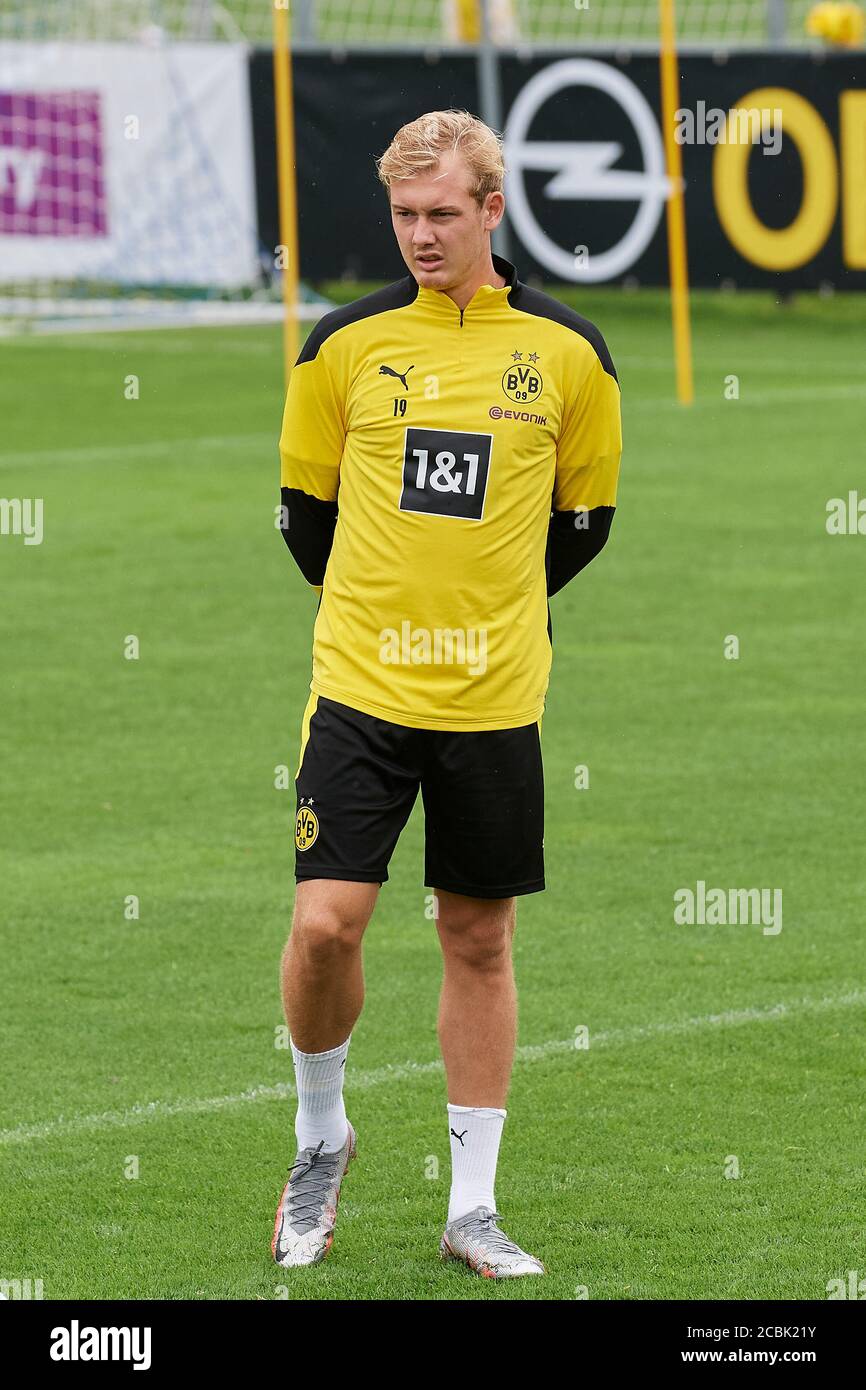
{"points": [[676, 205], [286, 180]]}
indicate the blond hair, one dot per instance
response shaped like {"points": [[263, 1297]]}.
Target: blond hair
{"points": [[418, 146]]}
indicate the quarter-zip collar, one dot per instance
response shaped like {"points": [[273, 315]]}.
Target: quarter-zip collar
{"points": [[487, 299]]}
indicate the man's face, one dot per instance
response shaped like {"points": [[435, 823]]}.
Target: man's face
{"points": [[441, 230]]}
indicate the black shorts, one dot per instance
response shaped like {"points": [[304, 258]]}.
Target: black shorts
{"points": [[483, 794]]}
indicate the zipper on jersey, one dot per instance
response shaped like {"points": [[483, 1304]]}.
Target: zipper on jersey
{"points": [[461, 318]]}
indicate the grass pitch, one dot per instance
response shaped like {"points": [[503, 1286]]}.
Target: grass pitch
{"points": [[144, 1131]]}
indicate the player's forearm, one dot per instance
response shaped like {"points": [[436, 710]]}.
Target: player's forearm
{"points": [[307, 524], [573, 539]]}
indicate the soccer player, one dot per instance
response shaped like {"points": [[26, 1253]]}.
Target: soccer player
{"points": [[450, 452]]}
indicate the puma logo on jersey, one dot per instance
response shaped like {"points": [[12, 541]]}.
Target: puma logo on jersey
{"points": [[401, 376]]}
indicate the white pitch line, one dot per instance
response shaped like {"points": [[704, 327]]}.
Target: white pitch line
{"points": [[794, 395], [406, 1071], [109, 453], [756, 364]]}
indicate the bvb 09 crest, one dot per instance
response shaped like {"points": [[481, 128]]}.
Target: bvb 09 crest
{"points": [[306, 828], [522, 383]]}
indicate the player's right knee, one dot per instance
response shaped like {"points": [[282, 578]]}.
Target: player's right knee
{"points": [[328, 932]]}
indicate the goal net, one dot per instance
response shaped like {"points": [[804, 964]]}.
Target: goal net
{"points": [[530, 21], [127, 188]]}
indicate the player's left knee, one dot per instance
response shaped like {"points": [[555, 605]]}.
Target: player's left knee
{"points": [[481, 941]]}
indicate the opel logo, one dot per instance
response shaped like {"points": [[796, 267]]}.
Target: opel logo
{"points": [[582, 169]]}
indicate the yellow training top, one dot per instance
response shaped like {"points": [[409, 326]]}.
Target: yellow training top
{"points": [[441, 440]]}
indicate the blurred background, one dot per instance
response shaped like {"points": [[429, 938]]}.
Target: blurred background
{"points": [[140, 171], [155, 640]]}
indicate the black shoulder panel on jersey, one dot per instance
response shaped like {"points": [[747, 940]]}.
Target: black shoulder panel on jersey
{"points": [[530, 301], [394, 296]]}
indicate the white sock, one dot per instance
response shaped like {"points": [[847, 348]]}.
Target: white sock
{"points": [[475, 1132], [321, 1112]]}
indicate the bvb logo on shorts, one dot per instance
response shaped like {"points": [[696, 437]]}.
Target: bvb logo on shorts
{"points": [[522, 383], [306, 828]]}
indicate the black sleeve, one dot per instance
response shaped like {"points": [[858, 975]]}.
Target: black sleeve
{"points": [[307, 524], [570, 547]]}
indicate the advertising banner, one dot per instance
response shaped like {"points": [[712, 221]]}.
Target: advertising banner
{"points": [[774, 156], [126, 163]]}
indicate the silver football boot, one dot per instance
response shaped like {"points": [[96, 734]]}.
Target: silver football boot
{"points": [[304, 1226], [476, 1241]]}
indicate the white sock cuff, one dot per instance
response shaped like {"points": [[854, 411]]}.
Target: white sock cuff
{"points": [[487, 1110], [320, 1056]]}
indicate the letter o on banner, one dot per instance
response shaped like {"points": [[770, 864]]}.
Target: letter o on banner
{"points": [[782, 248]]}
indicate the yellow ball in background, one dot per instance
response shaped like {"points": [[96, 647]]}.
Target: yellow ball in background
{"points": [[841, 24]]}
